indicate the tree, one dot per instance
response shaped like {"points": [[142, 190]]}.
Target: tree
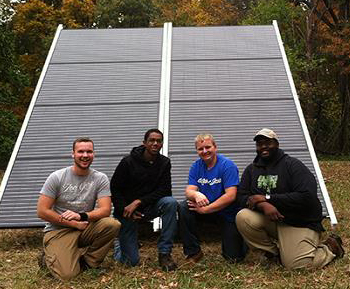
{"points": [[12, 86], [78, 13], [124, 13], [196, 13], [34, 26], [313, 69], [334, 30]]}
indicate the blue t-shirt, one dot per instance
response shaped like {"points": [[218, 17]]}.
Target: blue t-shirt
{"points": [[213, 182]]}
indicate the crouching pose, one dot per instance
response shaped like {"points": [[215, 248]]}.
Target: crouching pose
{"points": [[210, 196], [75, 201], [283, 213], [141, 189]]}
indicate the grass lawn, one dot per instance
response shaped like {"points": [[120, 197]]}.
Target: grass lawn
{"points": [[19, 250]]}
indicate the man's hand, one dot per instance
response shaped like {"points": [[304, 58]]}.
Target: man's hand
{"points": [[271, 211], [129, 209], [254, 200], [81, 226], [137, 215], [201, 200], [192, 206], [70, 215]]}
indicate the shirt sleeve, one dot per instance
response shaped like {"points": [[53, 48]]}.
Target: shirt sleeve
{"points": [[103, 189], [51, 186], [230, 175], [192, 176]]}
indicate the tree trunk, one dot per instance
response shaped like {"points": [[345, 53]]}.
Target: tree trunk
{"points": [[344, 93]]}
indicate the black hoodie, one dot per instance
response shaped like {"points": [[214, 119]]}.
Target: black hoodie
{"points": [[291, 185], [135, 178]]}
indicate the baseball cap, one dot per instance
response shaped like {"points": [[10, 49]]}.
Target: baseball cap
{"points": [[266, 132]]}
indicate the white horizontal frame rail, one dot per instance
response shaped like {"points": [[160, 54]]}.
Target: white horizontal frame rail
{"points": [[29, 113], [321, 182], [164, 97]]}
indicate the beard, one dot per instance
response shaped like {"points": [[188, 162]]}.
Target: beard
{"points": [[77, 163], [270, 157]]}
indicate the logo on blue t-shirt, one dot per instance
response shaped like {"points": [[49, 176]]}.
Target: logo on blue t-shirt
{"points": [[212, 182]]}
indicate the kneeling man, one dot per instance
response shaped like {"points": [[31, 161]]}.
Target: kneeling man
{"points": [[141, 190], [210, 194], [283, 213], [76, 203]]}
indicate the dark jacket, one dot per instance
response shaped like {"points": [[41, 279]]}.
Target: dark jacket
{"points": [[134, 178], [291, 185]]}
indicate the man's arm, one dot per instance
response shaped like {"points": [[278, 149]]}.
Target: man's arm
{"points": [[118, 181], [225, 200], [194, 195], [45, 212], [244, 187]]}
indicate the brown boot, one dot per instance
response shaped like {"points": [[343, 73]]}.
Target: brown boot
{"points": [[166, 262], [334, 243], [195, 258]]}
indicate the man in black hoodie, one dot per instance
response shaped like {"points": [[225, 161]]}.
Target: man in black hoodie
{"points": [[141, 189], [283, 213]]}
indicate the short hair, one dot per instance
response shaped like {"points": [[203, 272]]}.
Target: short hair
{"points": [[202, 137], [150, 131], [82, 139]]}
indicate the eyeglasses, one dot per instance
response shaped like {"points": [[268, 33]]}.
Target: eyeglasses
{"points": [[154, 140]]}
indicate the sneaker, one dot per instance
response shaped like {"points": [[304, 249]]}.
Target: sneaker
{"points": [[166, 262], [195, 258], [41, 260], [334, 243]]}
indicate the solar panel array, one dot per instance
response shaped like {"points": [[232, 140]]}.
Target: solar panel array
{"points": [[105, 84]]}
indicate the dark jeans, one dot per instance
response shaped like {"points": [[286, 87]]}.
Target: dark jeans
{"points": [[233, 247], [127, 251]]}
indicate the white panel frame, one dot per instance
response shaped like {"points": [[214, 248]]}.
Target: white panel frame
{"points": [[164, 98], [29, 113], [321, 182]]}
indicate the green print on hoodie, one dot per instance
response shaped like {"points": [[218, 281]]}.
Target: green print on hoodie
{"points": [[267, 183]]}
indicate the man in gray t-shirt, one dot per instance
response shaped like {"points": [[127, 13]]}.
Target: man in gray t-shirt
{"points": [[75, 202]]}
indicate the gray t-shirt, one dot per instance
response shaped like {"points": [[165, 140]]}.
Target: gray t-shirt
{"points": [[73, 192]]}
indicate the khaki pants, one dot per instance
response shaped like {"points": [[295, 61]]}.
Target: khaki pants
{"points": [[298, 247], [63, 248]]}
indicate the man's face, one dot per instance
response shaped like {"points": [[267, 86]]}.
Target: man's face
{"points": [[206, 150], [83, 154], [266, 148], [154, 143]]}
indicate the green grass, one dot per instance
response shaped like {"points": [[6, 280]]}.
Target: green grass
{"points": [[19, 250]]}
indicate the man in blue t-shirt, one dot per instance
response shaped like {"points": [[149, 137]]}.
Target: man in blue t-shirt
{"points": [[210, 194]]}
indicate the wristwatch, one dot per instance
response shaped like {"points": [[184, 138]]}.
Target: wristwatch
{"points": [[267, 197]]}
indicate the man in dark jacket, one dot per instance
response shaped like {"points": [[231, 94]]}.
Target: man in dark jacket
{"points": [[141, 189], [283, 213]]}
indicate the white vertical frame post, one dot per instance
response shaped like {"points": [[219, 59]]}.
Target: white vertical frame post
{"points": [[321, 182], [164, 97], [29, 112]]}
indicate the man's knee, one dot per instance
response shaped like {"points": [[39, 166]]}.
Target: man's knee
{"points": [[292, 263], [67, 275], [243, 217], [169, 204], [248, 218], [111, 225]]}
